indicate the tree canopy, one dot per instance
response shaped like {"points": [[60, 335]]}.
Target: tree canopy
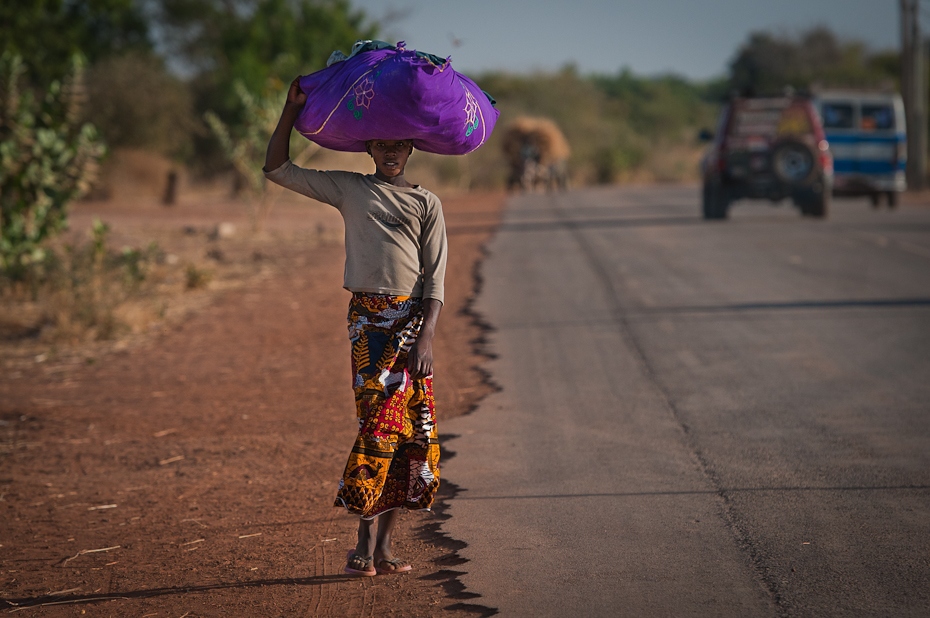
{"points": [[253, 41], [259, 44], [47, 33], [767, 63]]}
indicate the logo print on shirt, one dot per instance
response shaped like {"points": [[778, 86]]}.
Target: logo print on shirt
{"points": [[387, 219]]}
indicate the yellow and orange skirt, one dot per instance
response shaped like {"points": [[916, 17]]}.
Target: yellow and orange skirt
{"points": [[395, 460]]}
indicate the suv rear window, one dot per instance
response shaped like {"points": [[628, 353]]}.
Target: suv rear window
{"points": [[877, 117], [769, 119], [756, 121], [837, 116]]}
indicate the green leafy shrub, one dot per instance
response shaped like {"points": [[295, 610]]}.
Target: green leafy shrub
{"points": [[136, 263], [47, 159], [196, 278]]}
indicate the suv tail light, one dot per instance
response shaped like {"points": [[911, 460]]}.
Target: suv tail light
{"points": [[715, 162], [826, 159]]}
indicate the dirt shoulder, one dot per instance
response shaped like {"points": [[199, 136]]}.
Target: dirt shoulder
{"points": [[190, 469]]}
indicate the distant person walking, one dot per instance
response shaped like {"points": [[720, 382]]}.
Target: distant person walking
{"points": [[395, 241]]}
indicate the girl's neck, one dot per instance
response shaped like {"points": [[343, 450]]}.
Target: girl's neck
{"points": [[397, 181]]}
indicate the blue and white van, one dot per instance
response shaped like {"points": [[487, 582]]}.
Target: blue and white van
{"points": [[867, 137]]}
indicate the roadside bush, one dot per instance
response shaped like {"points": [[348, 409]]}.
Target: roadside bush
{"points": [[77, 290], [48, 158], [195, 278], [245, 144]]}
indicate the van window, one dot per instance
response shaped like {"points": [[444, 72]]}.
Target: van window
{"points": [[877, 117], [837, 116]]}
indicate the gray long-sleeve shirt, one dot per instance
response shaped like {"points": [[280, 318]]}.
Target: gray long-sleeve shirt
{"points": [[395, 237]]}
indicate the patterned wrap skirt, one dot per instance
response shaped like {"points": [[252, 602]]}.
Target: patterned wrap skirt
{"points": [[395, 460]]}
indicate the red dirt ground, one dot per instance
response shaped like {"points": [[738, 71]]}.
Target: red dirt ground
{"points": [[190, 471]]}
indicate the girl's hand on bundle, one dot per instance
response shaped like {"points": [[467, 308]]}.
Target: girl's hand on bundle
{"points": [[295, 96]]}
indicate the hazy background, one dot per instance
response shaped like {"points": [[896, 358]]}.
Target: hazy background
{"points": [[695, 39], [199, 83], [160, 99]]}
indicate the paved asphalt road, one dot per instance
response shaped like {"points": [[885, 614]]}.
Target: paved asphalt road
{"points": [[699, 418]]}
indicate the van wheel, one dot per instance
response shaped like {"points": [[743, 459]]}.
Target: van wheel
{"points": [[714, 202], [892, 199]]}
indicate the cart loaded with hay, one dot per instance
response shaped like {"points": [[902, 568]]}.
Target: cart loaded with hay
{"points": [[537, 153]]}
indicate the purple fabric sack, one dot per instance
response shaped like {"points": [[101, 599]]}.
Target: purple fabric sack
{"points": [[387, 92]]}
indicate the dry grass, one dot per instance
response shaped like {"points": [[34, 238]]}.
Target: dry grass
{"points": [[82, 294], [674, 163], [154, 267]]}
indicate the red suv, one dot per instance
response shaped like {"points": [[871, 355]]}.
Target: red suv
{"points": [[768, 148]]}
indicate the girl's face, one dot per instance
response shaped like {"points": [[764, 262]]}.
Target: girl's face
{"points": [[390, 156]]}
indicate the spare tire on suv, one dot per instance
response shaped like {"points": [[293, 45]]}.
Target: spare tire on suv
{"points": [[768, 148], [794, 162]]}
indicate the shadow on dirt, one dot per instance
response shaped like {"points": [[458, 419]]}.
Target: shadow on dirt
{"points": [[48, 600]]}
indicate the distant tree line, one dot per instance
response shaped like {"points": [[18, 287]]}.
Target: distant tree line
{"points": [[767, 63], [622, 123], [156, 67]]}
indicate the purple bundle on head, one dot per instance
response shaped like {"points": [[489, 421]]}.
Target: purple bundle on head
{"points": [[385, 92]]}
